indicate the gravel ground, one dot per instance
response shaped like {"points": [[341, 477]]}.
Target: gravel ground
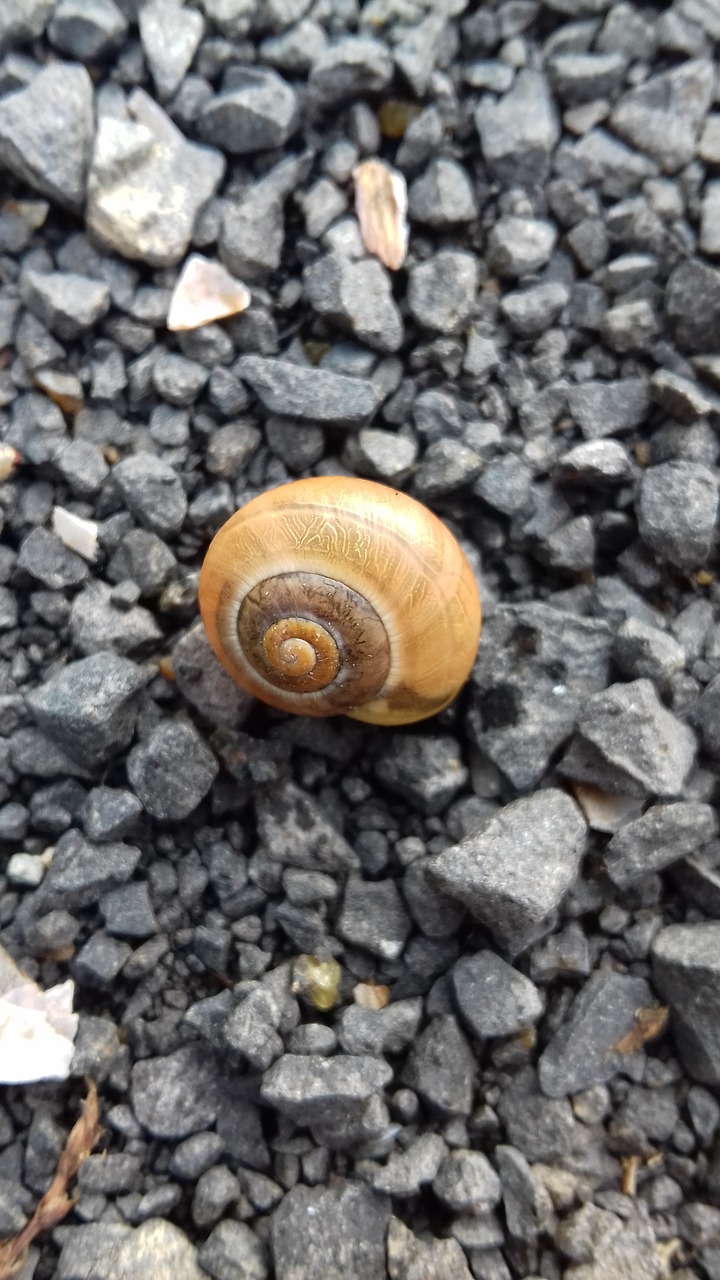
{"points": [[522, 887]]}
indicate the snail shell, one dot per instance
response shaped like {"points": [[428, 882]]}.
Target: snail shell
{"points": [[341, 596]]}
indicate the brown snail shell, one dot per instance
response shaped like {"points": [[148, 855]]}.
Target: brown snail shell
{"points": [[341, 596]]}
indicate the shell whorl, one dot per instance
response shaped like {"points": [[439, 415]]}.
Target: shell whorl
{"points": [[306, 633], [331, 596]]}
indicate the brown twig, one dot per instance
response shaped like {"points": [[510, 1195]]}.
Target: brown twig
{"points": [[56, 1202]]}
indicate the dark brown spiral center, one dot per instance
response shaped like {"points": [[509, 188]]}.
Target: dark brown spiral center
{"points": [[304, 632]]}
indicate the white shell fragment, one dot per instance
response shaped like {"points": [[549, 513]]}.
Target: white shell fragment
{"points": [[9, 459], [381, 206], [37, 1030], [205, 291], [26, 869], [74, 532]]}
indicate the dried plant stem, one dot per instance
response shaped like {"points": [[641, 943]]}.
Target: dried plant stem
{"points": [[56, 1202]]}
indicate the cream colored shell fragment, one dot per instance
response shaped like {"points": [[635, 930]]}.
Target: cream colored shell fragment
{"points": [[205, 291], [75, 533], [9, 459], [381, 207]]}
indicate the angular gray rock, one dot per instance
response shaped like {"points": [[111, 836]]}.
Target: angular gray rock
{"points": [[586, 77], [583, 1052], [303, 391], [596, 463], [147, 183], [175, 1095], [519, 131], [535, 668], [443, 195], [705, 717], [90, 707], [410, 1257], [313, 1090], [255, 111], [82, 871], [607, 1246], [152, 492], [46, 133], [95, 624], [447, 465], [109, 813], [710, 220], [686, 974], [684, 399], [513, 874], [662, 117], [145, 559], [87, 31], [66, 302], [601, 160], [233, 1251], [374, 918], [380, 1031], [251, 1030], [442, 291], [425, 771], [380, 455], [467, 1183], [529, 312], [205, 683], [407, 1171], [528, 1207], [295, 831], [172, 770], [178, 380], [664, 834], [357, 296], [45, 557], [571, 547], [253, 226], [22, 20], [608, 408], [519, 246], [170, 35], [441, 1067], [692, 306], [493, 998], [677, 512], [128, 912], [330, 1233], [417, 51], [641, 650], [628, 742], [107, 1251], [351, 67]]}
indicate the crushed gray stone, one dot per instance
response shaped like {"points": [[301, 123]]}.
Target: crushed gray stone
{"points": [[493, 998], [317, 394], [626, 738], [685, 960], [90, 708], [513, 874], [172, 770], [584, 1051], [46, 133]]}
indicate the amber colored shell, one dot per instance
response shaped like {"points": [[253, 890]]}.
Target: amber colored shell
{"points": [[341, 596]]}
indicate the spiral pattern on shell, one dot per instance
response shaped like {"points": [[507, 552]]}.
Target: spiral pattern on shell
{"points": [[332, 596]]}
